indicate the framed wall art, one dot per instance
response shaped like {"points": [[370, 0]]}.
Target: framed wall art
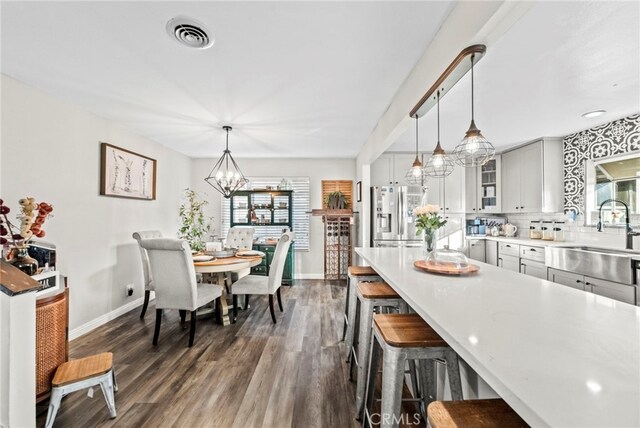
{"points": [[125, 174]]}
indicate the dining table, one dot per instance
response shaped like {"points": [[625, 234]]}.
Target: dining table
{"points": [[221, 269]]}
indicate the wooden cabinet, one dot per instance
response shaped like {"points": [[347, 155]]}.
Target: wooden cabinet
{"points": [[263, 268], [532, 177], [614, 290], [483, 188]]}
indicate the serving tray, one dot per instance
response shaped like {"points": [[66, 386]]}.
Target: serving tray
{"points": [[445, 270]]}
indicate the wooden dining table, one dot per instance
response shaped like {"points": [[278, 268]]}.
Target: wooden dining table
{"points": [[221, 268]]}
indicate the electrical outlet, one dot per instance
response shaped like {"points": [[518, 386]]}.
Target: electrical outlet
{"points": [[129, 290]]}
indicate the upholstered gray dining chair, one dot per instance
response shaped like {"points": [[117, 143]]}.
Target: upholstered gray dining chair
{"points": [[174, 281], [270, 285], [148, 279], [240, 237]]}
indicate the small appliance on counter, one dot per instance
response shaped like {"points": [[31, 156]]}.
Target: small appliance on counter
{"points": [[483, 226]]}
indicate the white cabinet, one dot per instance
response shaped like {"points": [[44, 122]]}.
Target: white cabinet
{"points": [[533, 268], [532, 177], [621, 292], [477, 249], [452, 234], [391, 168], [614, 290], [483, 188], [509, 262], [448, 192], [382, 171], [491, 252]]}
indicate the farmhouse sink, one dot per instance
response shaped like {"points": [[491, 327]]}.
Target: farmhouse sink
{"points": [[603, 263]]}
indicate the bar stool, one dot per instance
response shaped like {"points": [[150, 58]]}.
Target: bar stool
{"points": [[493, 413], [355, 275], [402, 337], [370, 295]]}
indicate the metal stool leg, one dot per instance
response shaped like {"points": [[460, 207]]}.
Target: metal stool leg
{"points": [[453, 371], [352, 299], [106, 384], [364, 347], [428, 384], [54, 405], [374, 362], [393, 364], [346, 310]]}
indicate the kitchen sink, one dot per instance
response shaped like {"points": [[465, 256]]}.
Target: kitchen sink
{"points": [[603, 263]]}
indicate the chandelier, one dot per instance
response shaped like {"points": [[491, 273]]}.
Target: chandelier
{"points": [[225, 176]]}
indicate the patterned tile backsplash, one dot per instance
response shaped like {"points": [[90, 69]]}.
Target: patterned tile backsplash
{"points": [[613, 138]]}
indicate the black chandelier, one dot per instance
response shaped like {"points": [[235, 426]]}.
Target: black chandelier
{"points": [[225, 176]]}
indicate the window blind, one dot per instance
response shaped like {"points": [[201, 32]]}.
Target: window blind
{"points": [[300, 220]]}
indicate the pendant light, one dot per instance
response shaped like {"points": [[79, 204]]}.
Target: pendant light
{"points": [[474, 150], [225, 176], [439, 164], [416, 174]]}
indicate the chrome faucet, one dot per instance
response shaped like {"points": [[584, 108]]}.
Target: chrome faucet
{"points": [[630, 233]]}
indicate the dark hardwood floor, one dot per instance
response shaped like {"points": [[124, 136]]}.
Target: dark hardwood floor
{"points": [[250, 374]]}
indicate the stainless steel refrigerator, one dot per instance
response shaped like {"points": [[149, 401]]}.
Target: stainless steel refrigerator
{"points": [[392, 219]]}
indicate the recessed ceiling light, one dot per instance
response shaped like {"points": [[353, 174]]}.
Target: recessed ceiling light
{"points": [[594, 113]]}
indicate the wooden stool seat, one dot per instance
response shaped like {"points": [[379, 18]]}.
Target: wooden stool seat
{"points": [[377, 290], [407, 331], [494, 413], [361, 271], [80, 374], [83, 368]]}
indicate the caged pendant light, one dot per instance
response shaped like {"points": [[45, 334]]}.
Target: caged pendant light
{"points": [[439, 164], [225, 176], [416, 174], [474, 150]]}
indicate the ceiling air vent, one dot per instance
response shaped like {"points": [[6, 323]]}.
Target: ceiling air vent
{"points": [[189, 32]]}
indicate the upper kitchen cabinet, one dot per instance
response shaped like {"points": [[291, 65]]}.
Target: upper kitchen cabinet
{"points": [[390, 169], [448, 192], [483, 188], [532, 177]]}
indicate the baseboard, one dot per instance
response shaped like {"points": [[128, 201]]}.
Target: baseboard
{"points": [[103, 319], [308, 276]]}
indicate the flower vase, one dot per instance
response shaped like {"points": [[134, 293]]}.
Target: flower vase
{"points": [[23, 261], [428, 242]]}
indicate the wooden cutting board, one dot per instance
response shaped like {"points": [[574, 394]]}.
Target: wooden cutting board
{"points": [[445, 270]]}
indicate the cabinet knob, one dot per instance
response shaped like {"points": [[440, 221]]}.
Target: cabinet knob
{"points": [[447, 208], [474, 209], [578, 281], [521, 208]]}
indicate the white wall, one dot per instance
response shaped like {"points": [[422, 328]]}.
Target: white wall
{"points": [[51, 151], [309, 264]]}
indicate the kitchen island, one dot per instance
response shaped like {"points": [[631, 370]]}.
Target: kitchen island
{"points": [[558, 356]]}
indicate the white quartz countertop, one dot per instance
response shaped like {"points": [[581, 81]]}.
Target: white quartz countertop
{"points": [[560, 357]]}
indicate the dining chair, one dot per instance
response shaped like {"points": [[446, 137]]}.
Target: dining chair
{"points": [[174, 281], [240, 237], [148, 279], [269, 285]]}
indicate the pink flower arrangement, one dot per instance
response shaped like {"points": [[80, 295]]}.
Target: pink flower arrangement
{"points": [[427, 209]]}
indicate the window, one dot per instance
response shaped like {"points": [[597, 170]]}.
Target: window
{"points": [[300, 220]]}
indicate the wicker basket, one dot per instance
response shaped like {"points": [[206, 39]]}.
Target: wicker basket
{"points": [[52, 345]]}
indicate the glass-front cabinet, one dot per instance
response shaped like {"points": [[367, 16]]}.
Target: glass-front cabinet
{"points": [[483, 190], [262, 208]]}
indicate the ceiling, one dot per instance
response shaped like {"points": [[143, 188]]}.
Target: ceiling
{"points": [[294, 79], [560, 60]]}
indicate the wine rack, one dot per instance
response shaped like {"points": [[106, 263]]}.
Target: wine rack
{"points": [[337, 246]]}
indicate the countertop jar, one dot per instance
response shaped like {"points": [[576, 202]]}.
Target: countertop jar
{"points": [[558, 231], [547, 230], [534, 230]]}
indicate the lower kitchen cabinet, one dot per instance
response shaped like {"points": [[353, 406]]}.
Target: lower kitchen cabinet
{"points": [[533, 268], [509, 262], [477, 249], [263, 268], [491, 252], [614, 290]]}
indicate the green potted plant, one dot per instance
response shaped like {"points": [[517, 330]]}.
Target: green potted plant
{"points": [[194, 223], [336, 201]]}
